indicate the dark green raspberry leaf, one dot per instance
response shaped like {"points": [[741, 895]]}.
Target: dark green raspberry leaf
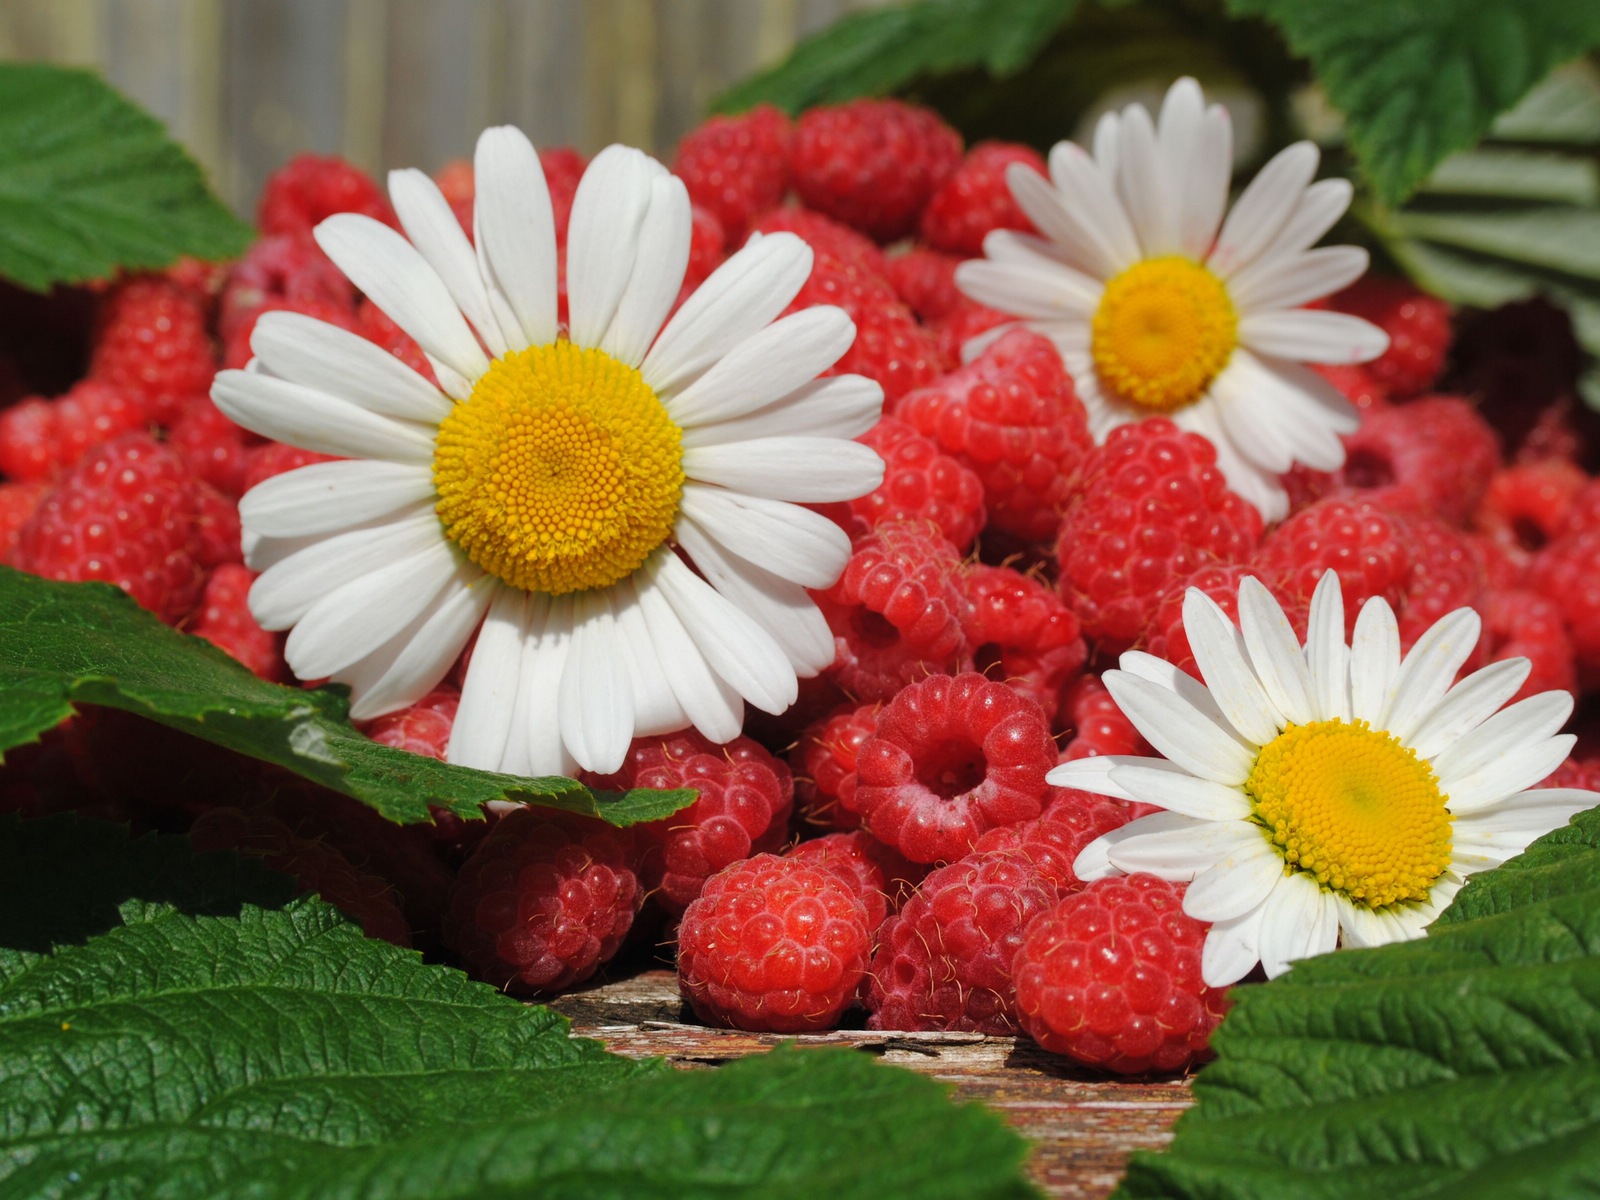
{"points": [[88, 643], [203, 1046], [876, 51], [1466, 1064], [1417, 82], [89, 183]]}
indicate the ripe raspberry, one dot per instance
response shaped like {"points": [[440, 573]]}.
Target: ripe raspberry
{"points": [[1148, 508], [976, 199], [309, 188], [877, 875], [212, 446], [218, 538], [1355, 382], [18, 502], [28, 440], [1418, 326], [224, 620], [563, 168], [944, 961], [827, 236], [873, 164], [1021, 631], [1165, 637], [1524, 624], [737, 167], [1372, 551], [41, 438], [125, 514], [1433, 455], [315, 865], [1110, 977], [960, 325], [896, 611], [1013, 417], [1052, 841], [1097, 725], [926, 280], [237, 350], [423, 728], [1568, 572], [951, 758], [1575, 773], [921, 483], [824, 763], [773, 944], [289, 268], [544, 901], [707, 248], [745, 799], [459, 188], [1446, 574], [1527, 504], [274, 458], [151, 342]]}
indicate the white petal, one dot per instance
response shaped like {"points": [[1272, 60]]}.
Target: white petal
{"points": [[1298, 923], [324, 497], [1220, 654], [1232, 948], [1512, 772], [339, 363], [396, 278], [283, 592], [1026, 250], [841, 406], [312, 420], [733, 645], [603, 238], [743, 295], [1275, 652], [1094, 860], [1179, 731], [1181, 852], [1290, 280], [1298, 410], [1093, 774], [1374, 661], [715, 709], [424, 653], [1327, 656], [547, 655], [1310, 335], [1467, 705], [804, 470], [1204, 195], [1263, 208], [516, 230], [431, 225], [596, 701], [1257, 485], [1320, 206], [658, 268], [1189, 689], [769, 364], [534, 634], [1107, 135], [489, 692], [1236, 883], [1426, 673], [1029, 291], [791, 542], [1359, 926], [655, 709], [1511, 731], [1141, 186], [1174, 789], [1084, 216], [1504, 829]]}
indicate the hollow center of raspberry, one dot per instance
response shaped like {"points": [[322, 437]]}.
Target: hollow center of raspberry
{"points": [[1163, 330], [952, 768], [1365, 469], [1354, 808], [561, 472]]}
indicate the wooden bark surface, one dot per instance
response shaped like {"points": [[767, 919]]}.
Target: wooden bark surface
{"points": [[1083, 1125]]}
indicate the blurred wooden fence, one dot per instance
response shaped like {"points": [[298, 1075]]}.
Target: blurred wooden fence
{"points": [[247, 83]]}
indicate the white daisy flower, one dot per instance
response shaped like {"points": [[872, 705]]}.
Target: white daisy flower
{"points": [[1160, 307], [615, 508], [1327, 794]]}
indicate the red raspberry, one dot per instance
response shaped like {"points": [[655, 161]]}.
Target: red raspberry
{"points": [[873, 164], [289, 268], [926, 280], [1165, 637], [274, 458], [151, 342], [1355, 382], [773, 944], [921, 483], [1435, 455], [737, 167], [212, 446], [1052, 841], [423, 728], [826, 236], [41, 438], [951, 758], [878, 876], [125, 514], [315, 865], [1013, 417], [976, 199], [218, 538], [960, 325], [1148, 508], [224, 620], [896, 611], [544, 901], [1568, 572], [1527, 504], [459, 188], [1446, 574], [707, 248], [18, 502], [944, 961], [237, 351], [1524, 624], [1575, 773], [745, 799], [1021, 631], [1098, 726], [1418, 326], [28, 440], [824, 762], [374, 324], [563, 169], [1110, 977], [1372, 550], [310, 188]]}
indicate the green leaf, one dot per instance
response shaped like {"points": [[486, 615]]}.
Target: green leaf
{"points": [[1517, 175], [1556, 239], [1419, 81], [89, 183], [88, 643], [277, 1053], [878, 50], [1465, 1064]]}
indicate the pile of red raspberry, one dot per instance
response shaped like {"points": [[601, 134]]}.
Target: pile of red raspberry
{"points": [[889, 850]]}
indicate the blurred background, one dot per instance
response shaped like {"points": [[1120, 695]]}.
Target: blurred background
{"points": [[245, 84]]}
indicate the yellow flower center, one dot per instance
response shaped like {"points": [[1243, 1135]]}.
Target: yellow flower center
{"points": [[1354, 808], [1163, 330], [561, 472]]}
